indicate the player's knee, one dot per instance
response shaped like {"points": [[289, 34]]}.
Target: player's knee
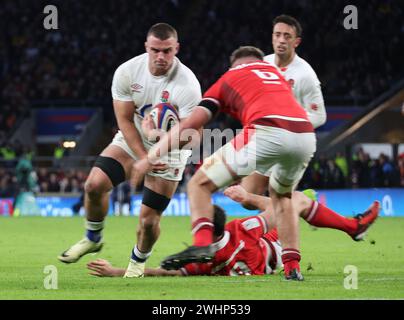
{"points": [[200, 183], [279, 193], [154, 202], [94, 188], [193, 185], [150, 223], [301, 202]]}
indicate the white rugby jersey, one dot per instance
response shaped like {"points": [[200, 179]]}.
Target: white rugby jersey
{"points": [[306, 87], [133, 81]]}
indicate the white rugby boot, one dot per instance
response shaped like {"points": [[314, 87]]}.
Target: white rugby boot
{"points": [[135, 269], [81, 248]]}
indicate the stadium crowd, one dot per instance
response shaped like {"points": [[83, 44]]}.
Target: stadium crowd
{"points": [[75, 63], [322, 173], [361, 172], [47, 180]]}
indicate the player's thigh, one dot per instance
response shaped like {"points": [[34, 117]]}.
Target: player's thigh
{"points": [[161, 186], [228, 164], [214, 171], [112, 167], [255, 183], [121, 155], [297, 151]]}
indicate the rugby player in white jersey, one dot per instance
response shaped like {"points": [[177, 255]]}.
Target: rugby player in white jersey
{"points": [[139, 84], [286, 37]]}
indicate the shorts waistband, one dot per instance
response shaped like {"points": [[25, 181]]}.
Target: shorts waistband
{"points": [[290, 125]]}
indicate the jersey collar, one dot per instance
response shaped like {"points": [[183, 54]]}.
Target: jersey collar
{"points": [[222, 242]]}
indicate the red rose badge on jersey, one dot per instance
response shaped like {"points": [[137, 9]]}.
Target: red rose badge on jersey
{"points": [[291, 83], [164, 96]]}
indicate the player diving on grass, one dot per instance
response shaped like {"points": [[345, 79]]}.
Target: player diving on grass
{"points": [[251, 246]]}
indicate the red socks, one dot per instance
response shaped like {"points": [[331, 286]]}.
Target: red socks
{"points": [[321, 216], [290, 260], [202, 230]]}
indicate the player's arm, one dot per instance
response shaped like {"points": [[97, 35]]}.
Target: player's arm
{"points": [[188, 140], [159, 272], [124, 113], [313, 100], [190, 97], [193, 115], [175, 138], [186, 100], [197, 269], [240, 195], [124, 109], [103, 268], [170, 141]]}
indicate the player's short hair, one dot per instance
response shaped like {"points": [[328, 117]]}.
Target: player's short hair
{"points": [[219, 220], [162, 31], [246, 51], [290, 21]]}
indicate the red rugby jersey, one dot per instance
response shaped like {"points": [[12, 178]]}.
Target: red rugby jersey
{"points": [[255, 90], [241, 251]]}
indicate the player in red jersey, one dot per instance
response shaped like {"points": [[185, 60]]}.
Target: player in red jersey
{"points": [[243, 247], [250, 246], [276, 135]]}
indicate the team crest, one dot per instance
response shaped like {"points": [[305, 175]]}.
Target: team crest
{"points": [[291, 83], [165, 95]]}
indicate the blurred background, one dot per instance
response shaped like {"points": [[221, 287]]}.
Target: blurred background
{"points": [[55, 99]]}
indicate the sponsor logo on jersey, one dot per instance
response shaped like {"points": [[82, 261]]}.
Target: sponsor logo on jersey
{"points": [[164, 96], [136, 87], [251, 224]]}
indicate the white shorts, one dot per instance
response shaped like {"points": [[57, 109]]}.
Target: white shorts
{"points": [[261, 148], [176, 160]]}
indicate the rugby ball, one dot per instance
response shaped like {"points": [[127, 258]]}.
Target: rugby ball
{"points": [[165, 116]]}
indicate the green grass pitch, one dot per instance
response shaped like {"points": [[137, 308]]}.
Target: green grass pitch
{"points": [[28, 244]]}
